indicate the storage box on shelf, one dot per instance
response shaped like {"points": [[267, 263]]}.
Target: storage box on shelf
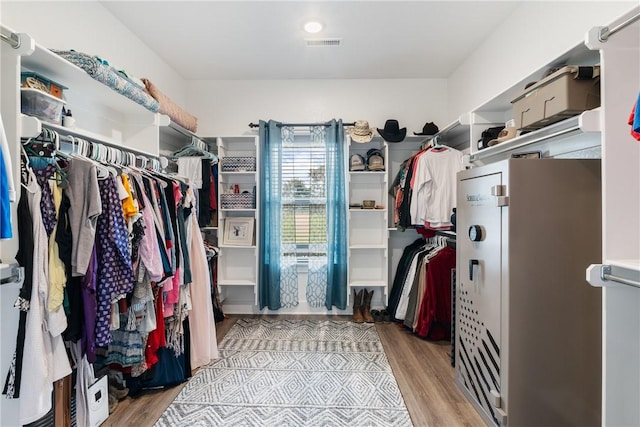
{"points": [[368, 234], [237, 201], [36, 81], [239, 164], [565, 93], [42, 105]]}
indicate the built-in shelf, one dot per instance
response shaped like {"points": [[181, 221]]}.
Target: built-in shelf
{"points": [[454, 135], [58, 69], [173, 136], [629, 264], [236, 283], [239, 210], [101, 113], [367, 283], [587, 122]]}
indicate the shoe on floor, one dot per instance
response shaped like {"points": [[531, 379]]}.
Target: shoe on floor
{"points": [[119, 394], [113, 403]]}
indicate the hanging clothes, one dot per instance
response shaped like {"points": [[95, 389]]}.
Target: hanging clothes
{"points": [[24, 257], [85, 208], [45, 358], [115, 273], [81, 247], [402, 271], [434, 317], [425, 188], [204, 348], [421, 294], [434, 189]]}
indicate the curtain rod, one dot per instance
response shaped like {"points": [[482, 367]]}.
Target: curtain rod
{"points": [[253, 125]]}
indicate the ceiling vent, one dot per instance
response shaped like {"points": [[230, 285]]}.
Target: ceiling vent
{"points": [[322, 42]]}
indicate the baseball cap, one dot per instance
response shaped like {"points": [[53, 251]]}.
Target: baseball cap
{"points": [[356, 162], [375, 160]]}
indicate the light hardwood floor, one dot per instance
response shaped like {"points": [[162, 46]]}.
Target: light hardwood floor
{"points": [[422, 370]]}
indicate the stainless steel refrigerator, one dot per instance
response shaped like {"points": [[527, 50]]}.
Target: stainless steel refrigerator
{"points": [[527, 323]]}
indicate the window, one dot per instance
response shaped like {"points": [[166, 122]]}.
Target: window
{"points": [[304, 210]]}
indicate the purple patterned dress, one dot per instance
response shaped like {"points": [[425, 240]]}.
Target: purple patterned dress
{"points": [[115, 273]]}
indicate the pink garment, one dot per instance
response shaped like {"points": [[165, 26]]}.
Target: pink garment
{"points": [[149, 251], [167, 287], [204, 347]]}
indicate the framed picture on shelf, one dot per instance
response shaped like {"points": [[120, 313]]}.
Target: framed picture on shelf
{"points": [[238, 231]]}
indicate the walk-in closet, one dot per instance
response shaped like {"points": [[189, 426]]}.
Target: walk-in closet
{"points": [[304, 213]]}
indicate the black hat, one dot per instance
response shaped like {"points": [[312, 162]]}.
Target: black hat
{"points": [[392, 131], [428, 129]]}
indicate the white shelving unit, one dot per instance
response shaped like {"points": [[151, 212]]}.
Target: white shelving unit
{"points": [[367, 264], [238, 264]]}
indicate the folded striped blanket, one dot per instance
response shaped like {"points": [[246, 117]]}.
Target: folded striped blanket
{"points": [[109, 76]]}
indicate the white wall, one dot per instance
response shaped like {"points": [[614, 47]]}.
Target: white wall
{"points": [[225, 108], [88, 27], [535, 34]]}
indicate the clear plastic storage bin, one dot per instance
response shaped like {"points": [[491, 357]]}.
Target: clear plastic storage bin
{"points": [[41, 105]]}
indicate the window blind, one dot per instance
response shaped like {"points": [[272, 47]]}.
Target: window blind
{"points": [[304, 218]]}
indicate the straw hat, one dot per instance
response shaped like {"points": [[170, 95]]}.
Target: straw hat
{"points": [[361, 132]]}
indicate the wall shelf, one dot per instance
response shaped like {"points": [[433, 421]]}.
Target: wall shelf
{"points": [[236, 283], [173, 136], [587, 122], [103, 113]]}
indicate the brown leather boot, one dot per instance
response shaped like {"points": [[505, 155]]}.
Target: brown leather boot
{"points": [[357, 306], [366, 306]]}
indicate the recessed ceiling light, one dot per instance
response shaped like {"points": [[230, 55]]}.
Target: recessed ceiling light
{"points": [[313, 27]]}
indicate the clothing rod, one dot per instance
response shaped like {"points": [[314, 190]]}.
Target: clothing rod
{"points": [[13, 39], [605, 274], [605, 33], [11, 273], [62, 131], [253, 125]]}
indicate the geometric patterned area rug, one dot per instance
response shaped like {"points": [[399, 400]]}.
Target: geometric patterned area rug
{"points": [[293, 373]]}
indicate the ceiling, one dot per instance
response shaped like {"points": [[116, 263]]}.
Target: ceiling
{"points": [[262, 40]]}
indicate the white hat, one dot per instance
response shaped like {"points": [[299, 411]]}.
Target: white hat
{"points": [[504, 135], [361, 132]]}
